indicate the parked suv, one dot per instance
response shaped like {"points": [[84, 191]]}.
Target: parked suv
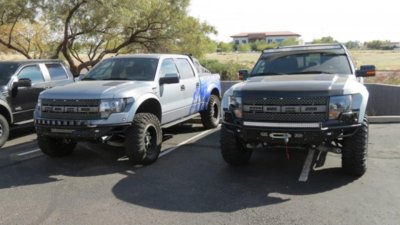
{"points": [[299, 96], [20, 85]]}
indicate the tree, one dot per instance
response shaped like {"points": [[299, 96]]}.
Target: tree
{"points": [[84, 31], [14, 35], [353, 45], [190, 38], [377, 44], [325, 40]]}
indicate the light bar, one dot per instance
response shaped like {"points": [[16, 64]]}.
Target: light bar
{"points": [[283, 125], [303, 47]]}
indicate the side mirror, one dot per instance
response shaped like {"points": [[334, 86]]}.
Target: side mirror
{"points": [[243, 74], [170, 78], [366, 71], [23, 82]]}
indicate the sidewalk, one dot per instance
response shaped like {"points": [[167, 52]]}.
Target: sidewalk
{"points": [[384, 119]]}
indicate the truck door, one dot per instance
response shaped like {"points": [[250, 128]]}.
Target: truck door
{"points": [[171, 95], [23, 99], [189, 85]]}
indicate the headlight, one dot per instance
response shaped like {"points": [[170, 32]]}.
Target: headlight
{"points": [[339, 105], [235, 104], [109, 106], [39, 105]]}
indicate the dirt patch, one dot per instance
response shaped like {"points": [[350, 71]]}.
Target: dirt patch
{"points": [[385, 77]]}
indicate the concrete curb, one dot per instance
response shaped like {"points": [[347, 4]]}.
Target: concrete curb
{"points": [[384, 119]]}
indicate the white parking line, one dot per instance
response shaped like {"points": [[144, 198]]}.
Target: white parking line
{"points": [[165, 152], [307, 166], [29, 152]]}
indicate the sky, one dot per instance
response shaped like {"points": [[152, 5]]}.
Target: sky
{"points": [[344, 20]]}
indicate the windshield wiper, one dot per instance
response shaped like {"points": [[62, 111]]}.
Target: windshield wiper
{"points": [[311, 72], [115, 78], [269, 73], [88, 78]]}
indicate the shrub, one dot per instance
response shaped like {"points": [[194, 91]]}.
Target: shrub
{"points": [[228, 71], [225, 47], [244, 48]]}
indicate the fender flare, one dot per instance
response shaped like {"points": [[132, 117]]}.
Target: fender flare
{"points": [[138, 102]]}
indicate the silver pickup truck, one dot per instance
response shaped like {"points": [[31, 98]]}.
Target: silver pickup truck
{"points": [[127, 100], [307, 96]]}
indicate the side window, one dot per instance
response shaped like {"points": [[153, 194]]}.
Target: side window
{"points": [[56, 71], [168, 67], [33, 73], [185, 69]]}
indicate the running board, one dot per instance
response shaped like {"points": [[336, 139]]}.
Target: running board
{"points": [[170, 124]]}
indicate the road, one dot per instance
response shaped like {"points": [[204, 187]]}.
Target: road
{"points": [[191, 184]]}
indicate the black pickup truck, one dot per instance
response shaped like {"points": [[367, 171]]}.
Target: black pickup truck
{"points": [[20, 85]]}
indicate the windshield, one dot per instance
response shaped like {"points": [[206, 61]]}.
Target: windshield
{"points": [[139, 69], [305, 63], [6, 71]]}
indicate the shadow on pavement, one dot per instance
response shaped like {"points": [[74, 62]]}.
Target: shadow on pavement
{"points": [[195, 178], [88, 160]]}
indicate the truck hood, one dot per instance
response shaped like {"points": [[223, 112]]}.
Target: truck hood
{"points": [[96, 90], [332, 83]]}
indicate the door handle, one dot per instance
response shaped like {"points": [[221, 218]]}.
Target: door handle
{"points": [[197, 84], [182, 87]]}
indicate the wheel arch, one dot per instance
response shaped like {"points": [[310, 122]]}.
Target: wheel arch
{"points": [[6, 112], [150, 105]]}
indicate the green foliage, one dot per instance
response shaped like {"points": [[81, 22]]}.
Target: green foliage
{"points": [[244, 48], [225, 47], [289, 41], [260, 45], [84, 31], [190, 38], [377, 44], [228, 70], [325, 40], [353, 45]]}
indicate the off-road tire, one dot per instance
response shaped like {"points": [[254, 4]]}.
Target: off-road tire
{"points": [[210, 117], [4, 130], [143, 139], [56, 147], [354, 151], [233, 152]]}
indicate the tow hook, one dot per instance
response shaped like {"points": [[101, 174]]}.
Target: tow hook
{"points": [[285, 137]]}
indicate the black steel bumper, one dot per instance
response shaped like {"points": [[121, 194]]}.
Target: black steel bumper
{"points": [[295, 136], [81, 132]]}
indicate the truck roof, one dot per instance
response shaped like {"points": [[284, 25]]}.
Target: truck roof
{"points": [[151, 55], [306, 48], [28, 61]]}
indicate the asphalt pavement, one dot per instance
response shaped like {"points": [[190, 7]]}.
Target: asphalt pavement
{"points": [[191, 184]]}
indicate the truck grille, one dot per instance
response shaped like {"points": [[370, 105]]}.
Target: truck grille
{"points": [[285, 109], [71, 109]]}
